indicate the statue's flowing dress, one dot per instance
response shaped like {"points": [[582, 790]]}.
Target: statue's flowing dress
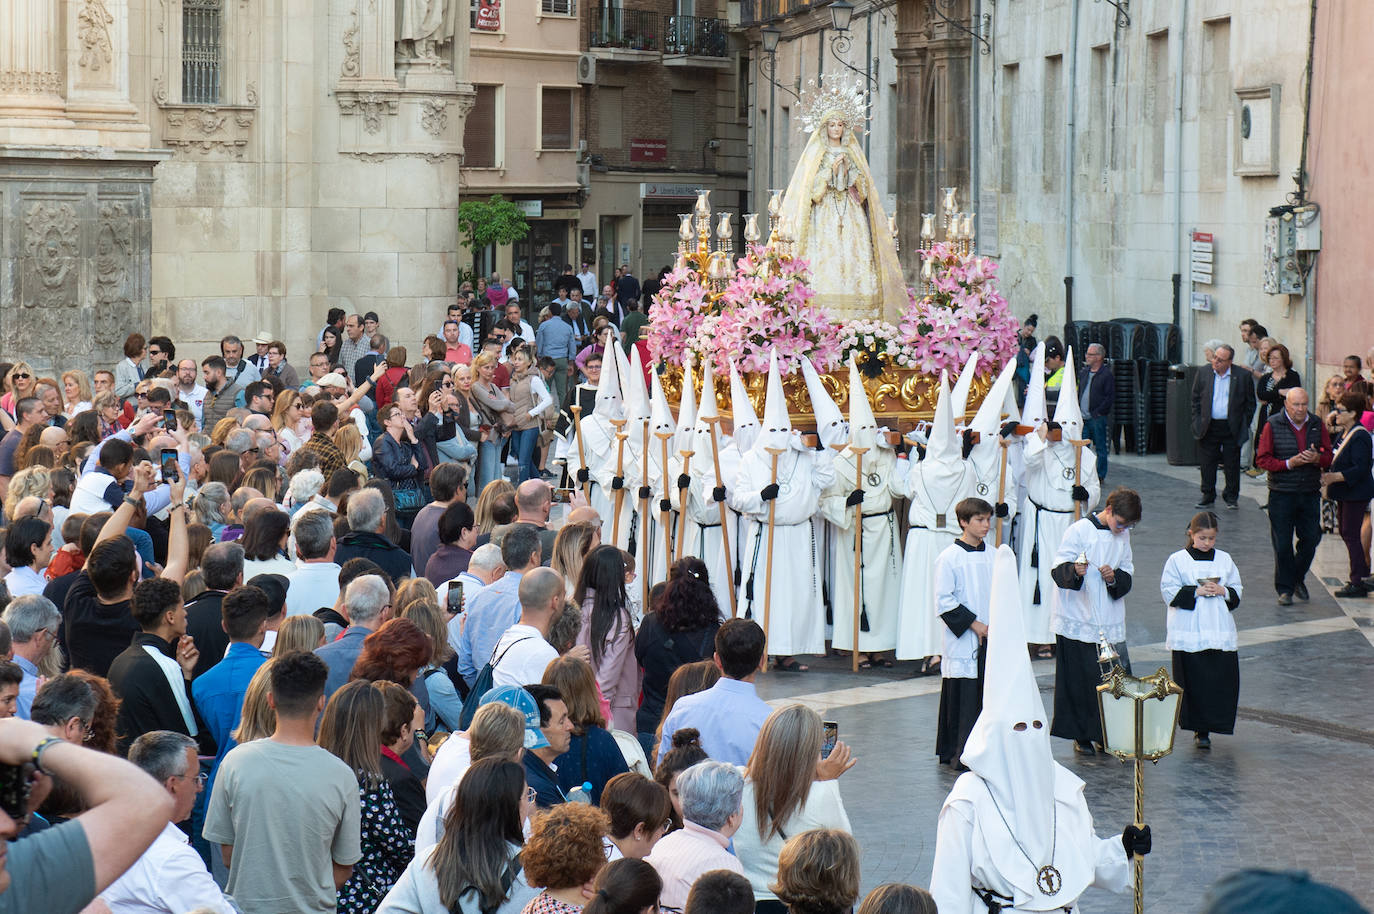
{"points": [[840, 246]]}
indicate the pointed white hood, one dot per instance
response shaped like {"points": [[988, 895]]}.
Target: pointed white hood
{"points": [[863, 428], [959, 396], [702, 464], [1033, 413], [686, 411], [1067, 412], [988, 419], [1009, 747], [610, 401], [829, 420], [776, 431], [660, 413], [745, 428], [942, 443], [636, 394]]}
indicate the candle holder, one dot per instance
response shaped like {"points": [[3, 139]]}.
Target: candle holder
{"points": [[957, 228]]}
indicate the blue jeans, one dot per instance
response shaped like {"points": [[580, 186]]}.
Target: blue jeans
{"points": [[489, 465], [1097, 431], [523, 442]]}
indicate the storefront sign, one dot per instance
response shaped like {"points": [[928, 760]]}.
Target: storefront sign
{"points": [[488, 15], [648, 150], [562, 212], [534, 209], [669, 191]]}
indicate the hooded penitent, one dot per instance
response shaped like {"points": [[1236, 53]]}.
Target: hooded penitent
{"points": [[1033, 412], [987, 453], [745, 425], [863, 428], [1009, 747], [942, 444], [1067, 412], [959, 396], [637, 407], [686, 412], [610, 401], [776, 431], [829, 421]]}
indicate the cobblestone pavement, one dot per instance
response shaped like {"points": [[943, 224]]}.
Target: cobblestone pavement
{"points": [[1287, 791]]}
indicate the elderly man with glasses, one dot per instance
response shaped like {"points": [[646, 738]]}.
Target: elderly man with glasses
{"points": [[33, 621]]}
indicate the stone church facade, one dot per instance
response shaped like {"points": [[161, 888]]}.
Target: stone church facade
{"points": [[193, 167]]}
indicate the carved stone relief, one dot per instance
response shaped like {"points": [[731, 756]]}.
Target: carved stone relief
{"points": [[113, 254], [93, 33], [208, 131], [370, 106], [434, 116], [50, 276], [351, 68]]}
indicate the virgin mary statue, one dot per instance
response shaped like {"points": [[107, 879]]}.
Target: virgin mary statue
{"points": [[834, 212]]}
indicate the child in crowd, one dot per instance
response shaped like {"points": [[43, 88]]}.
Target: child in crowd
{"points": [[963, 575], [1092, 573], [1201, 588]]}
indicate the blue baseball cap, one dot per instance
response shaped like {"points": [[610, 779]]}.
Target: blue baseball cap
{"points": [[524, 702]]}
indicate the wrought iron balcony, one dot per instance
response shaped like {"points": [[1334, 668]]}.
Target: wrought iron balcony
{"points": [[632, 30], [695, 36]]}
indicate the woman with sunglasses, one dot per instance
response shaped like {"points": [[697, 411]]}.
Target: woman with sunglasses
{"points": [[289, 421], [22, 383], [475, 868], [1349, 484]]}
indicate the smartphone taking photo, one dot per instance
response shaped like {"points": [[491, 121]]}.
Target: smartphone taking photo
{"points": [[171, 472], [169, 419], [830, 731], [455, 597]]}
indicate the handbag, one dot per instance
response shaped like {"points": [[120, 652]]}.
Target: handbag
{"points": [[410, 495]]}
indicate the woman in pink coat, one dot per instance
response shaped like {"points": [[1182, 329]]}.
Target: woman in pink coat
{"points": [[608, 632]]}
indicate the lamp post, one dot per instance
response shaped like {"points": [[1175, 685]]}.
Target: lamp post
{"points": [[770, 35], [1139, 719]]}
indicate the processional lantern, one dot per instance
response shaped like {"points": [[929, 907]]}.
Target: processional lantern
{"points": [[1139, 720]]}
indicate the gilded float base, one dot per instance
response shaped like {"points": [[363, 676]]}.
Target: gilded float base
{"points": [[900, 397]]}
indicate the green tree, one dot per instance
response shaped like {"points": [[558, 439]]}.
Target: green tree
{"points": [[492, 221]]}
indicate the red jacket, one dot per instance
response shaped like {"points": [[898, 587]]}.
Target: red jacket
{"points": [[388, 383]]}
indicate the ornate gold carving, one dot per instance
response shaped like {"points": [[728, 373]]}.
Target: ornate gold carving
{"points": [[93, 33], [900, 397]]}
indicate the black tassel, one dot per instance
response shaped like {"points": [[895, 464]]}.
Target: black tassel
{"points": [[825, 601], [863, 620], [1035, 555], [1035, 599]]}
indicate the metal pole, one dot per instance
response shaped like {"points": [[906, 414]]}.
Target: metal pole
{"points": [[1137, 859], [772, 113]]}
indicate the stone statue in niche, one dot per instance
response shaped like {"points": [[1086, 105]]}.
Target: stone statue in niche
{"points": [[422, 26]]}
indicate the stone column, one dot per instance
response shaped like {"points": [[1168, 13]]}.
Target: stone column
{"points": [[30, 84], [911, 76]]}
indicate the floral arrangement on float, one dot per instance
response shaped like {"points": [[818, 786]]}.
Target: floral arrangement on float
{"points": [[767, 304], [960, 312]]}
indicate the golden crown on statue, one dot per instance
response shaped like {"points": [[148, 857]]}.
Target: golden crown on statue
{"points": [[837, 93]]}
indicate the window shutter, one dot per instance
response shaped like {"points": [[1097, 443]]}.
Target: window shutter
{"points": [[684, 126], [556, 130], [479, 133]]}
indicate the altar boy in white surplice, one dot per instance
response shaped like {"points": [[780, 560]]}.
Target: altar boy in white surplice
{"points": [[795, 623], [880, 589]]}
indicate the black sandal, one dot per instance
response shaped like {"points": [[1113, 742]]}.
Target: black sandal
{"points": [[930, 666], [884, 663], [790, 665]]}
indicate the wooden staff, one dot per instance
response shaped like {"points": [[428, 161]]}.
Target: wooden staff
{"points": [[620, 437], [682, 494], [775, 453], [858, 453], [581, 454], [724, 529], [665, 518], [1002, 487], [644, 517]]}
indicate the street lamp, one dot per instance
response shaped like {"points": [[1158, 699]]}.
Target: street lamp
{"points": [[841, 12], [770, 35], [1139, 719]]}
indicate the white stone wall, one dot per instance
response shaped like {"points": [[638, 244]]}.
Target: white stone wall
{"points": [[301, 203], [1126, 158]]}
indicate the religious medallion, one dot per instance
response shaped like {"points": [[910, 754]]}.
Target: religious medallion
{"points": [[1048, 880]]}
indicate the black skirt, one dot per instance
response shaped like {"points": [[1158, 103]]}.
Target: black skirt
{"points": [[961, 701], [1211, 690], [1076, 678]]}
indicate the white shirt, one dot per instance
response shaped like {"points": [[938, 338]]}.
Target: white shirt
{"points": [[1221, 395], [453, 758], [25, 580], [526, 660], [169, 878], [472, 586], [194, 399], [312, 585], [588, 280], [526, 331]]}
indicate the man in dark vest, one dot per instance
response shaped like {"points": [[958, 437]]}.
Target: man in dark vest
{"points": [[1294, 448]]}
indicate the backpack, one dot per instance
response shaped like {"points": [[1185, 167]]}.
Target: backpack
{"points": [[482, 685]]}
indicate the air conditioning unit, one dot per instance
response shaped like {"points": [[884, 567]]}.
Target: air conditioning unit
{"points": [[584, 174], [586, 70]]}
